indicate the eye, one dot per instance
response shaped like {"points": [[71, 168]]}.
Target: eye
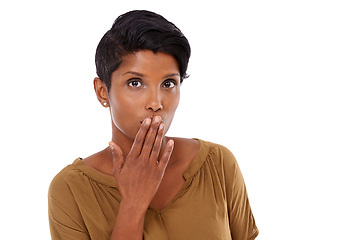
{"points": [[134, 83], [169, 83]]}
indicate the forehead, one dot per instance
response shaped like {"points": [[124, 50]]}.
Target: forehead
{"points": [[148, 63]]}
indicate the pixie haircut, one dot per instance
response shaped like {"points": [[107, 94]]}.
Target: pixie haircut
{"points": [[135, 31]]}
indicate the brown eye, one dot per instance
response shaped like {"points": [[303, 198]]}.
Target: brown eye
{"points": [[169, 84], [134, 83]]}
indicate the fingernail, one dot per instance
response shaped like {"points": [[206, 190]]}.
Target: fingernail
{"points": [[157, 119], [147, 121], [111, 147]]}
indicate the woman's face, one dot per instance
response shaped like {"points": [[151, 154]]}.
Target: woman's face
{"points": [[145, 85]]}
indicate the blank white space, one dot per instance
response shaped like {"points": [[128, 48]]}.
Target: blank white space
{"points": [[277, 82]]}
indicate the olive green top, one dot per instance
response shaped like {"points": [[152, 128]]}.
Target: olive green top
{"points": [[212, 204]]}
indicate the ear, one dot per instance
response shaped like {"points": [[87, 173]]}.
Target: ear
{"points": [[101, 92]]}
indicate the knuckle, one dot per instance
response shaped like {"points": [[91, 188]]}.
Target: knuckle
{"points": [[140, 162], [156, 148], [154, 127], [147, 145]]}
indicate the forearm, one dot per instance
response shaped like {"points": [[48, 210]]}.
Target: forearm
{"points": [[129, 223]]}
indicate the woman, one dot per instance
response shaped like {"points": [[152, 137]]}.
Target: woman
{"points": [[145, 184]]}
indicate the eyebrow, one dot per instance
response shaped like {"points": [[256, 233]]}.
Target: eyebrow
{"points": [[142, 75], [172, 75], [134, 73]]}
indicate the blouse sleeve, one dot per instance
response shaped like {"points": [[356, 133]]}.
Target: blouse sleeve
{"points": [[241, 220], [64, 216]]}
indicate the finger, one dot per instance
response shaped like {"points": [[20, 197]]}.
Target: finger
{"points": [[154, 155], [140, 138], [164, 160], [150, 138], [118, 159]]}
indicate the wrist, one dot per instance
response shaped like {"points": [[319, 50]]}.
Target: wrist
{"points": [[133, 209], [130, 222]]}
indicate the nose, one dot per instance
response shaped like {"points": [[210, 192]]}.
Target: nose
{"points": [[154, 101]]}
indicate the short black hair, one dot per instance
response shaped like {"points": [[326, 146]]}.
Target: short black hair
{"points": [[135, 31]]}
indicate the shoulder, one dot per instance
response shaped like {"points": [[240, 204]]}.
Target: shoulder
{"points": [[227, 167], [61, 199], [61, 183], [218, 152], [63, 210], [222, 158], [215, 156]]}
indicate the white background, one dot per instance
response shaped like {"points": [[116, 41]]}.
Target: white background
{"points": [[277, 82]]}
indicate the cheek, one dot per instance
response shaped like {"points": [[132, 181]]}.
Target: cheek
{"points": [[124, 115], [174, 99], [171, 109], [176, 103]]}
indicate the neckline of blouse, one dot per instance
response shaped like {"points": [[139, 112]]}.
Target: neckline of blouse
{"points": [[101, 178]]}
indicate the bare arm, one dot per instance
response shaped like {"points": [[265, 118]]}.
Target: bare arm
{"points": [[138, 177]]}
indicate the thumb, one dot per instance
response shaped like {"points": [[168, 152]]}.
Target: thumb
{"points": [[118, 160]]}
